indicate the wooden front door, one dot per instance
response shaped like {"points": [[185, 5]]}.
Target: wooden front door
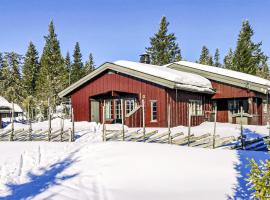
{"points": [[94, 110]]}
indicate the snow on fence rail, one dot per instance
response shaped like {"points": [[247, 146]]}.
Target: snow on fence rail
{"points": [[203, 141]]}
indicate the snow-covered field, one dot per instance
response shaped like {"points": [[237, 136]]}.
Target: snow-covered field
{"points": [[91, 169]]}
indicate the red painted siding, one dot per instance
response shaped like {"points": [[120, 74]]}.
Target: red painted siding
{"points": [[229, 91], [109, 82]]}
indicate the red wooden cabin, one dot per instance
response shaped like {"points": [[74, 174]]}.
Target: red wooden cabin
{"points": [[126, 85], [234, 90]]}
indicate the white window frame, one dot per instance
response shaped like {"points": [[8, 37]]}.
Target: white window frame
{"points": [[196, 107], [152, 111], [118, 110], [130, 105], [108, 109]]}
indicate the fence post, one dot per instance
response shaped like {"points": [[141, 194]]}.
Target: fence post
{"points": [[30, 123], [70, 134], [215, 127], [12, 124], [49, 120], [169, 124], [143, 113], [241, 127], [103, 123], [73, 125]]}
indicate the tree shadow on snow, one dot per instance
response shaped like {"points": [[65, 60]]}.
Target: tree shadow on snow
{"points": [[241, 190], [40, 183]]}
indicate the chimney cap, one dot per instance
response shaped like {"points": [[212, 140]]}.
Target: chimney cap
{"points": [[145, 58]]}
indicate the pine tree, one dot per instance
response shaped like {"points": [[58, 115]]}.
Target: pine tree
{"points": [[248, 55], [13, 90], [205, 57], [31, 69], [68, 67], [216, 58], [163, 47], [228, 60], [77, 65], [53, 74], [259, 179], [89, 65]]}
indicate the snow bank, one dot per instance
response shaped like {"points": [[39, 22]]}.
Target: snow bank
{"points": [[120, 171], [182, 78]]}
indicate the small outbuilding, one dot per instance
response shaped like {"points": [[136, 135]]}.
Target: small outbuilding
{"points": [[124, 88], [6, 109]]}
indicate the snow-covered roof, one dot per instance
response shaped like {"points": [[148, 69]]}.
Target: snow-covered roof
{"points": [[17, 108], [157, 74], [4, 103], [182, 79], [226, 72]]}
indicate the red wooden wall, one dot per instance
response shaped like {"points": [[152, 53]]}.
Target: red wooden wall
{"points": [[107, 82], [122, 83], [229, 91]]}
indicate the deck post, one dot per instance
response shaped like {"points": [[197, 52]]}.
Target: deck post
{"points": [[169, 124], [123, 120], [103, 123], [215, 127], [11, 137], [189, 123], [143, 117]]}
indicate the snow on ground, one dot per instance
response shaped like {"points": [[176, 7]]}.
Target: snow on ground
{"points": [[91, 169]]}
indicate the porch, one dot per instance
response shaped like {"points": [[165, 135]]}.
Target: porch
{"points": [[117, 106], [229, 110]]}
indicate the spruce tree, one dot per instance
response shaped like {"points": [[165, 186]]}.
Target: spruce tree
{"points": [[13, 89], [228, 60], [31, 69], [205, 57], [53, 76], [77, 65], [248, 55], [89, 65], [163, 46], [259, 179], [68, 67], [216, 58]]}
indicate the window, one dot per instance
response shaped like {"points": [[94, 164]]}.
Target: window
{"points": [[108, 109], [235, 105], [130, 105], [118, 108], [154, 111], [195, 107]]}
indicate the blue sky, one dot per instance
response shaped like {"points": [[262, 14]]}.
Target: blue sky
{"points": [[120, 29]]}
